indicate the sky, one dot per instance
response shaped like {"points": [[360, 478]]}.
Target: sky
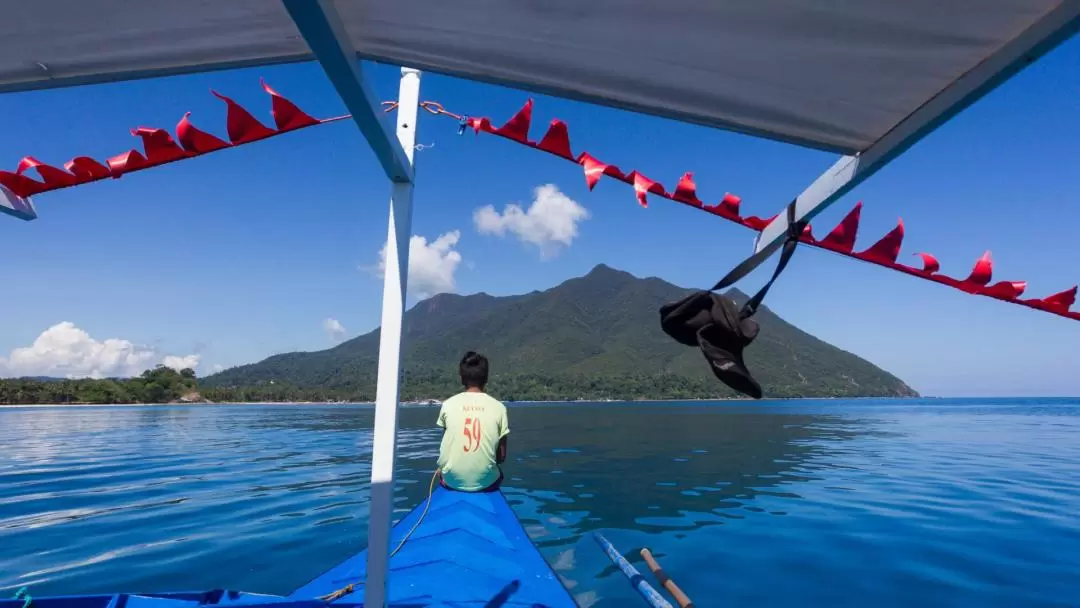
{"points": [[276, 246]]}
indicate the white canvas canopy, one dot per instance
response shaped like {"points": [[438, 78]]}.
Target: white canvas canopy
{"points": [[864, 78], [832, 74]]}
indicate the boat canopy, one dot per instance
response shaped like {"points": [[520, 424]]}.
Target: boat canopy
{"points": [[836, 75]]}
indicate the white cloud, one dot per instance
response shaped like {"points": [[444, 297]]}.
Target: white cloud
{"points": [[67, 351], [335, 331], [431, 265], [179, 363], [217, 368], [550, 222]]}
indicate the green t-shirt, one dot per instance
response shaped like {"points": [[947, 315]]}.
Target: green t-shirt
{"points": [[474, 423]]}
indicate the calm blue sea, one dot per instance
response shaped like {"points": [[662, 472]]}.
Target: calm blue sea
{"points": [[840, 503]]}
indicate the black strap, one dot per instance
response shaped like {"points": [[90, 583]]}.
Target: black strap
{"points": [[748, 265]]}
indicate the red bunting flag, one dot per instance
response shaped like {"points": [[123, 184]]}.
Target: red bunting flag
{"points": [[159, 147]]}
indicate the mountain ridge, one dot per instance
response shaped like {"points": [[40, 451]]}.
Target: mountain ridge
{"points": [[593, 336]]}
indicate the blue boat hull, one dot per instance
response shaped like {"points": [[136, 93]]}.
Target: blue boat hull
{"points": [[469, 550]]}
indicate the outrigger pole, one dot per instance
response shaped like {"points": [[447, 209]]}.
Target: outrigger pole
{"points": [[322, 29], [647, 591]]}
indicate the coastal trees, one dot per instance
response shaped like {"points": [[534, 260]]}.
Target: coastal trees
{"points": [[159, 385]]}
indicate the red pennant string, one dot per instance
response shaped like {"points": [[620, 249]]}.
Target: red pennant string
{"points": [[557, 140], [982, 272], [593, 169], [727, 208], [195, 140], [731, 203], [27, 162], [158, 145], [1006, 290], [754, 222], [287, 116], [930, 263], [517, 128], [87, 169], [240, 124], [842, 238], [643, 185], [21, 185], [888, 248], [51, 176], [686, 191], [1059, 302], [126, 162], [244, 128], [481, 125], [641, 188]]}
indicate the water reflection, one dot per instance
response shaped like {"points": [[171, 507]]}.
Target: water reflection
{"points": [[647, 467], [91, 495]]}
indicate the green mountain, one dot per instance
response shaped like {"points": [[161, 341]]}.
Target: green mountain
{"points": [[594, 337]]}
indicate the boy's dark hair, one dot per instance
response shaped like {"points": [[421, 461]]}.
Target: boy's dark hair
{"points": [[474, 370]]}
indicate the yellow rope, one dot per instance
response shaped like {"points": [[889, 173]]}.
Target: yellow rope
{"points": [[340, 593], [431, 491], [347, 589]]}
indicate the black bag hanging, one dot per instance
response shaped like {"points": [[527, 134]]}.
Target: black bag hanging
{"points": [[718, 326]]}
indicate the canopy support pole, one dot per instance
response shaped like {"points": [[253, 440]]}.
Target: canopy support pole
{"points": [[384, 442], [322, 29], [1054, 27], [321, 26]]}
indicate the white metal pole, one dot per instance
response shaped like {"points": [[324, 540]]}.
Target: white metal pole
{"points": [[384, 446]]}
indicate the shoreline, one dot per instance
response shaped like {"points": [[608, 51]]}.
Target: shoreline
{"points": [[411, 405], [192, 404]]}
